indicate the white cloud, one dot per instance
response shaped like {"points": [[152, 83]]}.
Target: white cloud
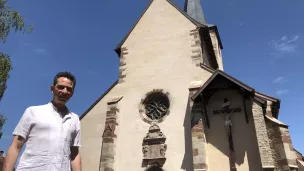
{"points": [[279, 80], [295, 38], [285, 44], [284, 38], [282, 92], [286, 48], [40, 51]]}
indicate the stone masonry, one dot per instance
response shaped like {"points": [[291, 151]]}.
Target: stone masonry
{"points": [[198, 136], [196, 47], [262, 137], [281, 145], [109, 136], [122, 65]]}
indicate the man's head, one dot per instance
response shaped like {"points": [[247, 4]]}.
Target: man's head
{"points": [[63, 87]]}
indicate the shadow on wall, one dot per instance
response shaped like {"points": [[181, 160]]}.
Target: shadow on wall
{"points": [[244, 135], [245, 141], [187, 164]]}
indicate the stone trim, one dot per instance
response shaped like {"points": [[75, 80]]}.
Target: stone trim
{"points": [[109, 136], [98, 100], [198, 135], [141, 107], [275, 121], [262, 136], [207, 68], [122, 65], [197, 53], [215, 45], [300, 163], [268, 108], [283, 152], [195, 85]]}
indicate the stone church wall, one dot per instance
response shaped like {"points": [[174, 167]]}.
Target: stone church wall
{"points": [[164, 44], [245, 144], [92, 128], [262, 136], [217, 49], [158, 54], [281, 146], [301, 165], [197, 133], [163, 54]]}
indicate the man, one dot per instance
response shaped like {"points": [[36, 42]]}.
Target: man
{"points": [[51, 132]]}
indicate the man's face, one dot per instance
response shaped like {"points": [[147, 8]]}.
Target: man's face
{"points": [[63, 90]]}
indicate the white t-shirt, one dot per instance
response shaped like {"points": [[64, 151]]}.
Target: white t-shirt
{"points": [[48, 138]]}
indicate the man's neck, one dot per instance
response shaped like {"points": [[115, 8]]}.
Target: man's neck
{"points": [[60, 107]]}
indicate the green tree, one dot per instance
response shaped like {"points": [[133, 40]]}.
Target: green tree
{"points": [[9, 20]]}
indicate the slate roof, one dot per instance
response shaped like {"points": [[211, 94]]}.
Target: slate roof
{"points": [[195, 10]]}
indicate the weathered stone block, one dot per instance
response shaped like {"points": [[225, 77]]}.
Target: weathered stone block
{"points": [[262, 136], [154, 147], [195, 152]]}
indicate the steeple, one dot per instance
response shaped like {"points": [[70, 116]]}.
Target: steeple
{"points": [[194, 9]]}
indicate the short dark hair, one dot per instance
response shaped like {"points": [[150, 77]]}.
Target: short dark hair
{"points": [[67, 75]]}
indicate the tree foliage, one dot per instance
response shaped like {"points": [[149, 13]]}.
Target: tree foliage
{"points": [[9, 20]]}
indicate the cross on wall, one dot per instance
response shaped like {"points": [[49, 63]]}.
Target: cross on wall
{"points": [[226, 111]]}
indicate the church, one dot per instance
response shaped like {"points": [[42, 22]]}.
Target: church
{"points": [[174, 108]]}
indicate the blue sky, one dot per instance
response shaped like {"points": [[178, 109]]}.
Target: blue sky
{"points": [[263, 47]]}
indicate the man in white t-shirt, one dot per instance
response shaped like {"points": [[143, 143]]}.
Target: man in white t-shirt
{"points": [[51, 133]]}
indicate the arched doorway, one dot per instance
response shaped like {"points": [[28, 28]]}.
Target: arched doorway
{"points": [[154, 168]]}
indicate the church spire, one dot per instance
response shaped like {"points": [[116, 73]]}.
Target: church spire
{"points": [[194, 9]]}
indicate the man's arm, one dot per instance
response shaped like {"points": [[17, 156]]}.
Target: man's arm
{"points": [[75, 159], [20, 133], [75, 154], [12, 153]]}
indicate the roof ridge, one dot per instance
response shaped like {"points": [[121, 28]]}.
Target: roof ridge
{"points": [[117, 49]]}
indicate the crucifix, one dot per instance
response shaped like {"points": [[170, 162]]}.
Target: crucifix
{"points": [[226, 111]]}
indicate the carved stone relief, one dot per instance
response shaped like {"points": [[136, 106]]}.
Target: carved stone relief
{"points": [[154, 147]]}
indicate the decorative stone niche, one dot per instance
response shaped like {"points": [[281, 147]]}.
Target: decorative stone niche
{"points": [[154, 147]]}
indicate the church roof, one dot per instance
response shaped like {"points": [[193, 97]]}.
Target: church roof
{"points": [[217, 74], [117, 49], [299, 155], [301, 162], [276, 103], [266, 97], [204, 29], [195, 10], [100, 98], [219, 77], [276, 121]]}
